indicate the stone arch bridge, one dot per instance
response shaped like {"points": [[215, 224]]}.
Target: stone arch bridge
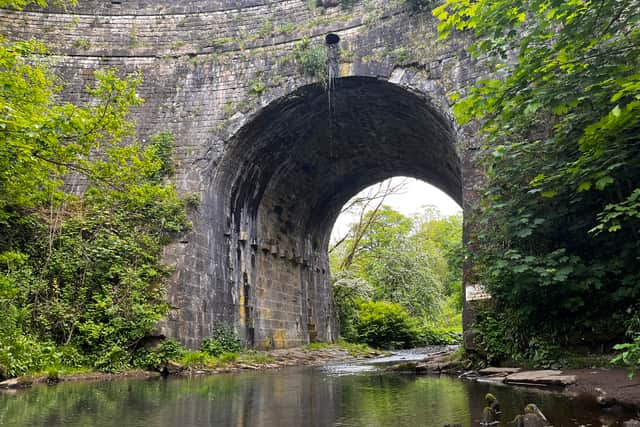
{"points": [[270, 152]]}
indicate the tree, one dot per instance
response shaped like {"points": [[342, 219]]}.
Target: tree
{"points": [[349, 291], [364, 204], [561, 119], [81, 275], [384, 255], [441, 237]]}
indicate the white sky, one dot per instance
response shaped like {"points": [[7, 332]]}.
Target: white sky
{"points": [[411, 201]]}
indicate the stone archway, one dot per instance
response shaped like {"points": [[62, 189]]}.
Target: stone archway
{"points": [[281, 183]]}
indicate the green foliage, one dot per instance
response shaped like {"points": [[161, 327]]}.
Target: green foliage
{"points": [[496, 338], [198, 359], [384, 324], [396, 264], [168, 350], [312, 59], [317, 346], [544, 354], [256, 87], [19, 4], [224, 340], [430, 336], [348, 292], [630, 354], [252, 356], [356, 349], [413, 262], [163, 144], [229, 357], [81, 276], [559, 218], [630, 351]]}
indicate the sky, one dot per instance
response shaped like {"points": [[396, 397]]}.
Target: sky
{"points": [[416, 195]]}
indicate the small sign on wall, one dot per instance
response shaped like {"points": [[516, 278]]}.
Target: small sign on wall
{"points": [[476, 292]]}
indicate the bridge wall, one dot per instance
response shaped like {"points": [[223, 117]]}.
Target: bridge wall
{"points": [[254, 259]]}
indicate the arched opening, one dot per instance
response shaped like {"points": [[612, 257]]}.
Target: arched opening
{"points": [[396, 250], [282, 183]]}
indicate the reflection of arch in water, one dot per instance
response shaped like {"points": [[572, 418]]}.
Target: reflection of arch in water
{"points": [[282, 182]]}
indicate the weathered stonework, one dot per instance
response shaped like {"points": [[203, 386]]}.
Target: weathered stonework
{"points": [[271, 154]]}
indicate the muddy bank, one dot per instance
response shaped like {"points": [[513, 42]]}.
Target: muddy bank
{"points": [[609, 386]]}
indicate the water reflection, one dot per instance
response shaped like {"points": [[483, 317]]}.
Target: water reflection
{"points": [[285, 398]]}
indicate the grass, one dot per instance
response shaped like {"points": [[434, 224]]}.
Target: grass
{"points": [[317, 345], [59, 371], [198, 359], [253, 356]]}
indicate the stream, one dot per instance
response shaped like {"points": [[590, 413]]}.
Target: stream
{"points": [[340, 394]]}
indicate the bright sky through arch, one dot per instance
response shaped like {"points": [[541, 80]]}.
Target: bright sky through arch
{"points": [[414, 197]]}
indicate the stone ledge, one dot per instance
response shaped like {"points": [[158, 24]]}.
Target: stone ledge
{"points": [[544, 377], [498, 371]]}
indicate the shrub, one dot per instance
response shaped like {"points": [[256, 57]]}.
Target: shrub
{"points": [[312, 59], [224, 340], [383, 324], [169, 349], [229, 357], [348, 292], [431, 336], [198, 359], [630, 351], [317, 346]]}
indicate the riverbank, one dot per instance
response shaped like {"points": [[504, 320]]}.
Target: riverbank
{"points": [[609, 386], [310, 355]]}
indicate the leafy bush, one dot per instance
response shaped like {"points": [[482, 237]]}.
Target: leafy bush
{"points": [[495, 338], [543, 354], [383, 324], [630, 351], [312, 59], [81, 276], [229, 357], [169, 349], [197, 359], [430, 336], [559, 213], [630, 354], [348, 292], [316, 346], [224, 340]]}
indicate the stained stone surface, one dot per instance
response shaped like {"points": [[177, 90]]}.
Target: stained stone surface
{"points": [[269, 152]]}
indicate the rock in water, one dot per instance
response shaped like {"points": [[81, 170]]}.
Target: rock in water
{"points": [[533, 417], [492, 402], [489, 417], [529, 420]]}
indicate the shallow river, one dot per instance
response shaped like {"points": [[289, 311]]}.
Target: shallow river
{"points": [[335, 395]]}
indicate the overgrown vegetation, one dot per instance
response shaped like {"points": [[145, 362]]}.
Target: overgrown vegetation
{"points": [[312, 59], [81, 276], [558, 244], [397, 280], [224, 340]]}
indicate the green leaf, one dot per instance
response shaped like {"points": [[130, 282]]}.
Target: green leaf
{"points": [[604, 182], [584, 186], [616, 111]]}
